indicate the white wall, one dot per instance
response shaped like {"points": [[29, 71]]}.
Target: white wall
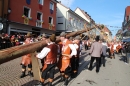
{"points": [[74, 22], [78, 11], [61, 12]]}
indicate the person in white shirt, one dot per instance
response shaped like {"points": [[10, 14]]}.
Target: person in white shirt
{"points": [[49, 53], [75, 58], [104, 49], [68, 50]]}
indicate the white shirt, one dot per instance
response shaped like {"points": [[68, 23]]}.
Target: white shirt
{"points": [[115, 45], [44, 51], [76, 46]]}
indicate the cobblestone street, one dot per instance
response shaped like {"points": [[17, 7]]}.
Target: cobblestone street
{"points": [[10, 73]]}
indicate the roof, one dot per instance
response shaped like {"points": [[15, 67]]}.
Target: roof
{"points": [[86, 15], [105, 29], [127, 11]]}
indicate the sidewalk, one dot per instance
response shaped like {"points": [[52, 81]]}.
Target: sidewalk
{"points": [[116, 73]]}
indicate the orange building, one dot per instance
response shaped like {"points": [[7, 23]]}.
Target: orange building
{"points": [[36, 16]]}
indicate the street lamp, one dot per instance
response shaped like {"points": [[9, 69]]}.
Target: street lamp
{"points": [[1, 26], [9, 10]]}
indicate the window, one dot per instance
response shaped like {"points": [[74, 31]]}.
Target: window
{"points": [[40, 2], [50, 20], [27, 11], [60, 20], [71, 22], [39, 20], [51, 6], [39, 16]]}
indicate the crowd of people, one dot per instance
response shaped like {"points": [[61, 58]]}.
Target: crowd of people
{"points": [[7, 41], [66, 54]]}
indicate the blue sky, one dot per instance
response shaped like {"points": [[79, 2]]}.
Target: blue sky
{"points": [[107, 12]]}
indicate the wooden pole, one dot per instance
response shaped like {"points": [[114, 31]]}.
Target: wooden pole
{"points": [[18, 51]]}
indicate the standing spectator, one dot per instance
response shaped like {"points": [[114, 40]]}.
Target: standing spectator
{"points": [[95, 51], [127, 52], [103, 55], [108, 49]]}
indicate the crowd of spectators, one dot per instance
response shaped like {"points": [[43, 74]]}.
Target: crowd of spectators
{"points": [[7, 41]]}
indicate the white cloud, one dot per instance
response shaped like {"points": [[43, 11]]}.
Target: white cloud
{"points": [[67, 3]]}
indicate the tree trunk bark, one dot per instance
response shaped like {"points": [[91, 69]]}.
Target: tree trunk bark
{"points": [[18, 51]]}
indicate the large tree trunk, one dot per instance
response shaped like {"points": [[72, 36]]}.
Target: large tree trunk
{"points": [[17, 51]]}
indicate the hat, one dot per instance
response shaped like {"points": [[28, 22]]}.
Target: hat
{"points": [[29, 34], [63, 34], [97, 38], [77, 38], [44, 35], [53, 38]]}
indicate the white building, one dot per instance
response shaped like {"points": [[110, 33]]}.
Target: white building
{"points": [[83, 14], [68, 20]]}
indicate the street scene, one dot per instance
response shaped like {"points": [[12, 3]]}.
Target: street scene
{"points": [[64, 43]]}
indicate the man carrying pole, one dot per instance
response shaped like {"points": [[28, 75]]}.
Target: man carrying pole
{"points": [[49, 54], [68, 50], [75, 59]]}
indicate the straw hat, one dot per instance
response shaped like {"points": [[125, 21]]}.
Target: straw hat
{"points": [[44, 35], [29, 35]]}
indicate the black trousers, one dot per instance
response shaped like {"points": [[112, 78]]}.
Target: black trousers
{"points": [[97, 63], [75, 63], [51, 69], [86, 47], [102, 60], [108, 50]]}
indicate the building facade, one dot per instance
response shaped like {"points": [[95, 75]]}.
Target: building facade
{"points": [[126, 23], [68, 20], [36, 16]]}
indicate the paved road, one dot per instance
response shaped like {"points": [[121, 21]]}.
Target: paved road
{"points": [[10, 72], [116, 73]]}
